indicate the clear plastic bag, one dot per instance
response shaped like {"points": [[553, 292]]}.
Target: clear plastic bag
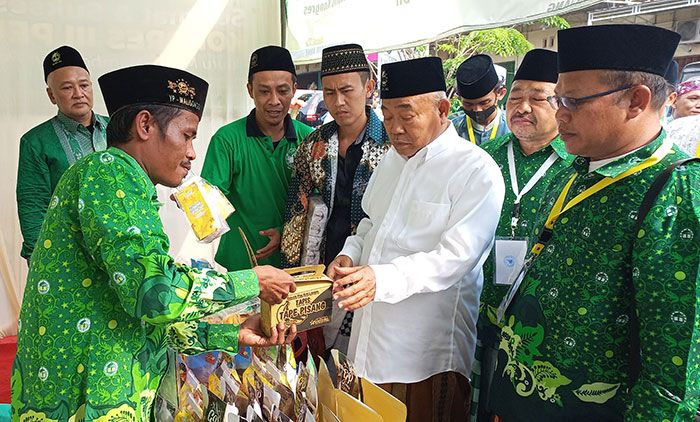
{"points": [[205, 206]]}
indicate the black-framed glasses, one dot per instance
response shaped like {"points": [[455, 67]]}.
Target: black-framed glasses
{"points": [[570, 103]]}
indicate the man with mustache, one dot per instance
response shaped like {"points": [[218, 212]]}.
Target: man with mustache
{"points": [[480, 88], [336, 163], [104, 300], [529, 158], [598, 324], [251, 161], [46, 151], [413, 271]]}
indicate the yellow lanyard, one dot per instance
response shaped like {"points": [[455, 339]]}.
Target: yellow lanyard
{"points": [[559, 208], [470, 129], [697, 151]]}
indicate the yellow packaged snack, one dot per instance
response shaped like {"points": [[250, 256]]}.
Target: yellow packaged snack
{"points": [[351, 409], [205, 206], [325, 389], [387, 406]]}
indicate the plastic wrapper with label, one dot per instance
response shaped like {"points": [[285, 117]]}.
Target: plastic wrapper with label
{"points": [[205, 206], [317, 218], [275, 388]]}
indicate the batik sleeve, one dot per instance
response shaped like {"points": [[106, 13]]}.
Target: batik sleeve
{"points": [[124, 235], [33, 193], [665, 260], [295, 214]]}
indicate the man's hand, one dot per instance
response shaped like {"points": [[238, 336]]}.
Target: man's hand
{"points": [[272, 245], [275, 284], [340, 261], [250, 334], [356, 288]]}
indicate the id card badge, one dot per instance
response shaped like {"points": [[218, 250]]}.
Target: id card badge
{"points": [[508, 257]]}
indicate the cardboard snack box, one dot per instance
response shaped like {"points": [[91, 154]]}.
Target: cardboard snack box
{"points": [[309, 307]]}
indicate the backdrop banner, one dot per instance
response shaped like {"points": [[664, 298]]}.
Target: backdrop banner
{"points": [[381, 25]]}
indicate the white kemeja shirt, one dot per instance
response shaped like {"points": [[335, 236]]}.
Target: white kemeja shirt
{"points": [[430, 226]]}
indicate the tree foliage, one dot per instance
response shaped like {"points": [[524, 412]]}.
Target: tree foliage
{"points": [[507, 41]]}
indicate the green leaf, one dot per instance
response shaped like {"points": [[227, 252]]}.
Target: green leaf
{"points": [[531, 287], [598, 392], [16, 387], [491, 314], [530, 338], [548, 376], [555, 22]]}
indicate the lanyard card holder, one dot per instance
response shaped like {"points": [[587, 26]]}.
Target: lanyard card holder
{"points": [[508, 258]]}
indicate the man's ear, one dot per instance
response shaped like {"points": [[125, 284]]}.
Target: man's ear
{"points": [[501, 92], [444, 107], [249, 86], [369, 87], [49, 92], [144, 126], [640, 98]]}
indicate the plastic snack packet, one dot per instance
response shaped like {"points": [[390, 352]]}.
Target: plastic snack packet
{"points": [[346, 378], [205, 206], [311, 391]]}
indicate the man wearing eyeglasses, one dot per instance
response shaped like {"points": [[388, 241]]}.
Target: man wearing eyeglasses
{"points": [[529, 158], [598, 324]]}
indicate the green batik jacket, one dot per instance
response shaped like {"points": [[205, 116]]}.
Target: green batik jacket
{"points": [[565, 344], [43, 158], [254, 175], [103, 300], [525, 166]]}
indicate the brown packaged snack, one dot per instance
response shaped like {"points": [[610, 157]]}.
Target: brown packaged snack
{"points": [[346, 378], [308, 307]]}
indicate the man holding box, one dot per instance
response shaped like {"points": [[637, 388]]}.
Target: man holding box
{"points": [[412, 272], [336, 161], [103, 298]]}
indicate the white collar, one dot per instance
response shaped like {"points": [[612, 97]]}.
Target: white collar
{"points": [[595, 165]]}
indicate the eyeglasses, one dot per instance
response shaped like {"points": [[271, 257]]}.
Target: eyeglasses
{"points": [[571, 103]]}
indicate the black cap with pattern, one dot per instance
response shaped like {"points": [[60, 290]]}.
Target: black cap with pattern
{"points": [[344, 58], [412, 77], [634, 48], [62, 57], [153, 84], [271, 57]]}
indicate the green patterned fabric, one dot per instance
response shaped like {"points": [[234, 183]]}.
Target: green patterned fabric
{"points": [[104, 300], [526, 166], [42, 161], [692, 378], [565, 344]]}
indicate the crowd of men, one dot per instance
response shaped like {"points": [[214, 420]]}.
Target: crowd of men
{"points": [[533, 263]]}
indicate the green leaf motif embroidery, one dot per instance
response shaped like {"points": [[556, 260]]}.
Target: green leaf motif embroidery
{"points": [[530, 338], [598, 392], [531, 287]]}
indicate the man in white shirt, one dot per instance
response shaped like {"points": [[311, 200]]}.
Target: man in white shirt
{"points": [[413, 271]]}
